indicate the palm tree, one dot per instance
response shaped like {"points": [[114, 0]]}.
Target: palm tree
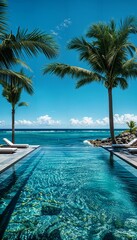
{"points": [[110, 57], [132, 127], [12, 92], [13, 46]]}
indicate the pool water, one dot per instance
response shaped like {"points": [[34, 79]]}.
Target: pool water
{"points": [[69, 193]]}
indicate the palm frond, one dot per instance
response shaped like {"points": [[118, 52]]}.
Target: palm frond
{"points": [[6, 56], [129, 25], [22, 63], [12, 94], [78, 44], [17, 79], [61, 70], [86, 81], [122, 82], [87, 52], [97, 30], [21, 104], [129, 68], [31, 43], [3, 18]]}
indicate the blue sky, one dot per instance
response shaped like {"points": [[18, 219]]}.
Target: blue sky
{"points": [[56, 103]]}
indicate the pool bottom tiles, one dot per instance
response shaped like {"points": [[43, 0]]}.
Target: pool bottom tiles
{"points": [[69, 193]]}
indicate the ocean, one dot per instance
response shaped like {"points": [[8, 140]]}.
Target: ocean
{"points": [[55, 137]]}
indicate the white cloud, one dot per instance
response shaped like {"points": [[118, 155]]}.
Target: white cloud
{"points": [[102, 122], [118, 120], [121, 119], [65, 24], [47, 120], [54, 32], [74, 121], [24, 122], [2, 122], [42, 120], [86, 121]]}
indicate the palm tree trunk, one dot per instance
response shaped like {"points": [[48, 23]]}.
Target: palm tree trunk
{"points": [[13, 124], [111, 121]]}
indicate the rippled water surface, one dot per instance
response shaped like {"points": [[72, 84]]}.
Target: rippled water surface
{"points": [[57, 137], [69, 192]]}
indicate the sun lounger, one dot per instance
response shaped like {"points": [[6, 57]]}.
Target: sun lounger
{"points": [[7, 150], [125, 145], [132, 150], [15, 145]]}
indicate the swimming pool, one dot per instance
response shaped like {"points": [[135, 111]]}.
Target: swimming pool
{"points": [[69, 193]]}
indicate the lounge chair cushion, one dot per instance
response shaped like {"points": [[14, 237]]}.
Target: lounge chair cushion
{"points": [[15, 145], [7, 150], [127, 145]]}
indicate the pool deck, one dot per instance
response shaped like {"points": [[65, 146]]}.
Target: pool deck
{"points": [[7, 160], [123, 154]]}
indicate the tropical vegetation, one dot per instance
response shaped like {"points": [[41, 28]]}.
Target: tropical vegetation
{"points": [[12, 92], [110, 57], [14, 46], [132, 127]]}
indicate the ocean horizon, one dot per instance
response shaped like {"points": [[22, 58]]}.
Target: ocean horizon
{"points": [[56, 137], [59, 129]]}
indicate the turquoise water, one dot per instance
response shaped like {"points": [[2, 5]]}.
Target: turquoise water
{"points": [[69, 191], [56, 137]]}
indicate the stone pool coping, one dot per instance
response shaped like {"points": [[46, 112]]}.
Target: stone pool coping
{"points": [[123, 154], [7, 160]]}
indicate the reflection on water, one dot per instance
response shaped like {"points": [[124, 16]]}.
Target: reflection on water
{"points": [[111, 160]]}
